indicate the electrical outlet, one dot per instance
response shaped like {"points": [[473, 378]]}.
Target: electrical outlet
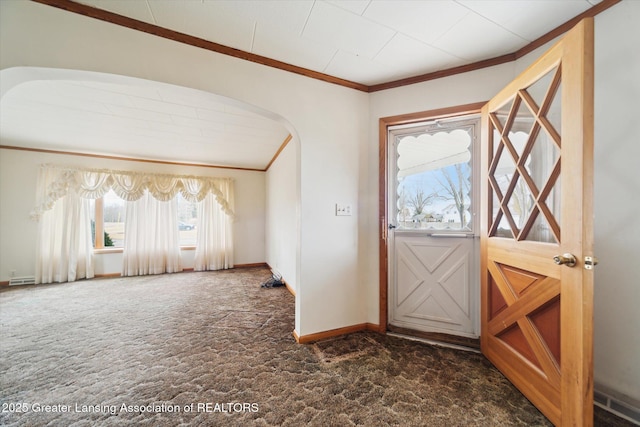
{"points": [[343, 210], [12, 273]]}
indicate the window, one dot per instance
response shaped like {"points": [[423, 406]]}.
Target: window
{"points": [[187, 219], [107, 221], [113, 212], [110, 211], [434, 175], [99, 218]]}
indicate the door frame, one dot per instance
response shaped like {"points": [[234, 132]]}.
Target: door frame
{"points": [[383, 199]]}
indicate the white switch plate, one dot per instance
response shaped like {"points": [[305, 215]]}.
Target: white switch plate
{"points": [[343, 210]]}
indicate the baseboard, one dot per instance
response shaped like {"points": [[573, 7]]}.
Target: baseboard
{"points": [[252, 265], [616, 403], [306, 339], [373, 327], [4, 283], [288, 286], [186, 270]]}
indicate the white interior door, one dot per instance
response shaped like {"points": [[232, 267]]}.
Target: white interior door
{"points": [[433, 249]]}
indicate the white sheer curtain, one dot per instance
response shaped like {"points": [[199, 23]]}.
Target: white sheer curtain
{"points": [[151, 239], [64, 251], [214, 238]]}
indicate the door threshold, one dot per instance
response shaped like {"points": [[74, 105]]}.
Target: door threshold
{"points": [[435, 338]]}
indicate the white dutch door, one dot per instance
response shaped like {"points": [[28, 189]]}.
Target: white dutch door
{"points": [[433, 249]]}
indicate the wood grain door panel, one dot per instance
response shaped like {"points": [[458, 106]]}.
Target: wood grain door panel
{"points": [[537, 165]]}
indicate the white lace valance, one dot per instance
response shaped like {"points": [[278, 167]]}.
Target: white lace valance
{"points": [[55, 182]]}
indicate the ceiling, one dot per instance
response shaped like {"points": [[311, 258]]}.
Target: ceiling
{"points": [[109, 115], [364, 41]]}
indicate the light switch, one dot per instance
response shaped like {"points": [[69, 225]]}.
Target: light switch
{"points": [[343, 210]]}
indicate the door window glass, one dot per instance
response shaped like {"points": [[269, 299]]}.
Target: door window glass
{"points": [[524, 171], [434, 180]]}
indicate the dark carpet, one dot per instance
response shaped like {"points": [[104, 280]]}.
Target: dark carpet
{"points": [[216, 349]]}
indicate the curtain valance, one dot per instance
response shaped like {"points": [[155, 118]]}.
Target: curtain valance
{"points": [[130, 186]]}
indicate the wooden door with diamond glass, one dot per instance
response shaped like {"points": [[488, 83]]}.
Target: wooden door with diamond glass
{"points": [[536, 243]]}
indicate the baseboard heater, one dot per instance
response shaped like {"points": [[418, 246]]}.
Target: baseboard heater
{"points": [[610, 401], [24, 280]]}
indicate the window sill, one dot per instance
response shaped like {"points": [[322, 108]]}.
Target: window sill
{"points": [[108, 251], [120, 250]]}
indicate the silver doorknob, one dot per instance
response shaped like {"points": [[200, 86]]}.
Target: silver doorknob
{"points": [[567, 259]]}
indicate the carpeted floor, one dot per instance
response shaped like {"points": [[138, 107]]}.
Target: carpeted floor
{"points": [[209, 349]]}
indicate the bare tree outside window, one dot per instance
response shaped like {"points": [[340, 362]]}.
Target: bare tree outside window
{"points": [[403, 208], [419, 201], [455, 184]]}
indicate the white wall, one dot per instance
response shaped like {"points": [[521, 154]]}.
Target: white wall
{"points": [[329, 121], [18, 232], [617, 186], [283, 213]]}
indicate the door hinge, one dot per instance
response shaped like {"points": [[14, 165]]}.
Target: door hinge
{"points": [[590, 262]]}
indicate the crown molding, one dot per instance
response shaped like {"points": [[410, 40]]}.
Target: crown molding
{"points": [[156, 30], [128, 159]]}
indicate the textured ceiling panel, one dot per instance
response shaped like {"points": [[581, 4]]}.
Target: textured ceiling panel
{"points": [[354, 6], [407, 55], [359, 68], [423, 20], [489, 40], [528, 19], [279, 44], [218, 23], [346, 31]]}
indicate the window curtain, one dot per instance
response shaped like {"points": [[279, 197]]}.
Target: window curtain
{"points": [[214, 236], [129, 186], [64, 249], [151, 237]]}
